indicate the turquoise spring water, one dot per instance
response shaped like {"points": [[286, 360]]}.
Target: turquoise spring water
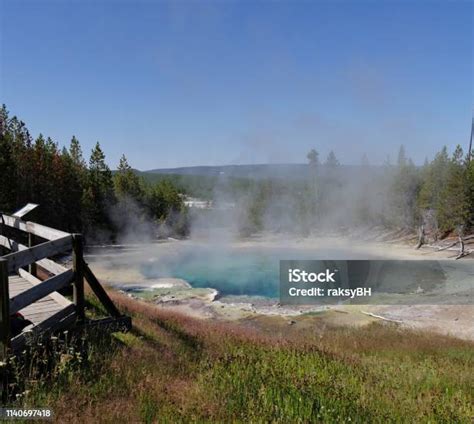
{"points": [[254, 271], [238, 272]]}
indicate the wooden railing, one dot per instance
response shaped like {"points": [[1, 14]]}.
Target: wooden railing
{"points": [[26, 256], [4, 310], [20, 256], [25, 260]]}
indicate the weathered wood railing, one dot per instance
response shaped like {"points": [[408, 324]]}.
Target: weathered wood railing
{"points": [[4, 309], [25, 261]]}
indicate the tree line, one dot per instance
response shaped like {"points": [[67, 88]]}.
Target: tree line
{"points": [[86, 196], [438, 196], [76, 195]]}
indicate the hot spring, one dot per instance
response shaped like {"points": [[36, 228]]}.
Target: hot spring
{"points": [[231, 271], [237, 271], [252, 269]]}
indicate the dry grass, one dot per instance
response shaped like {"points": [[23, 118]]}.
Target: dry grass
{"points": [[173, 368]]}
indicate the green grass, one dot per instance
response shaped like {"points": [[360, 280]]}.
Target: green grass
{"points": [[176, 369]]}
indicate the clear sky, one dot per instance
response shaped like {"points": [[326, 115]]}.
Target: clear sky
{"points": [[225, 82]]}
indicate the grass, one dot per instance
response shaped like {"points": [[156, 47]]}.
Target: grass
{"points": [[173, 369]]}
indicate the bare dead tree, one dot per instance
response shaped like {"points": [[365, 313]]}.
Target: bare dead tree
{"points": [[462, 252], [421, 236], [469, 152]]}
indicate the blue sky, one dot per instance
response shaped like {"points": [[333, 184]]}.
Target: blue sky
{"points": [[224, 82]]}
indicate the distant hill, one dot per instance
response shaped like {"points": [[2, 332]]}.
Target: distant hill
{"points": [[200, 181], [250, 171]]}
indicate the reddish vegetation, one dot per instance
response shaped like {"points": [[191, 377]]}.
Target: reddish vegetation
{"points": [[173, 368]]}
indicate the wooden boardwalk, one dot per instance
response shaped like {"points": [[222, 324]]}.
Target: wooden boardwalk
{"points": [[39, 300], [44, 308]]}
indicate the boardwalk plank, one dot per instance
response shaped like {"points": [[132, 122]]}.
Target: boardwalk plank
{"points": [[41, 310]]}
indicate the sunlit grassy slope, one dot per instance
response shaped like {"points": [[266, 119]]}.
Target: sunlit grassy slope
{"points": [[172, 369]]}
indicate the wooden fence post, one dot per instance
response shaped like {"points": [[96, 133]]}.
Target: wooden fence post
{"points": [[31, 243], [2, 233], [78, 267], [4, 326], [4, 308]]}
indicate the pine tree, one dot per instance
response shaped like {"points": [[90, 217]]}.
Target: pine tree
{"points": [[470, 193], [402, 157], [99, 197], [404, 193], [332, 161], [453, 205], [75, 151], [434, 179], [314, 193], [100, 175], [313, 158], [131, 198], [330, 183], [127, 183], [8, 165], [71, 191]]}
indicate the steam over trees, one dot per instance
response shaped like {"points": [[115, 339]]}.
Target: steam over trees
{"points": [[127, 183], [313, 157], [446, 191], [76, 196], [454, 207], [404, 192], [331, 161], [439, 195]]}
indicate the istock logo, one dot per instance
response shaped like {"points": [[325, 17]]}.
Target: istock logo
{"points": [[297, 276]]}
